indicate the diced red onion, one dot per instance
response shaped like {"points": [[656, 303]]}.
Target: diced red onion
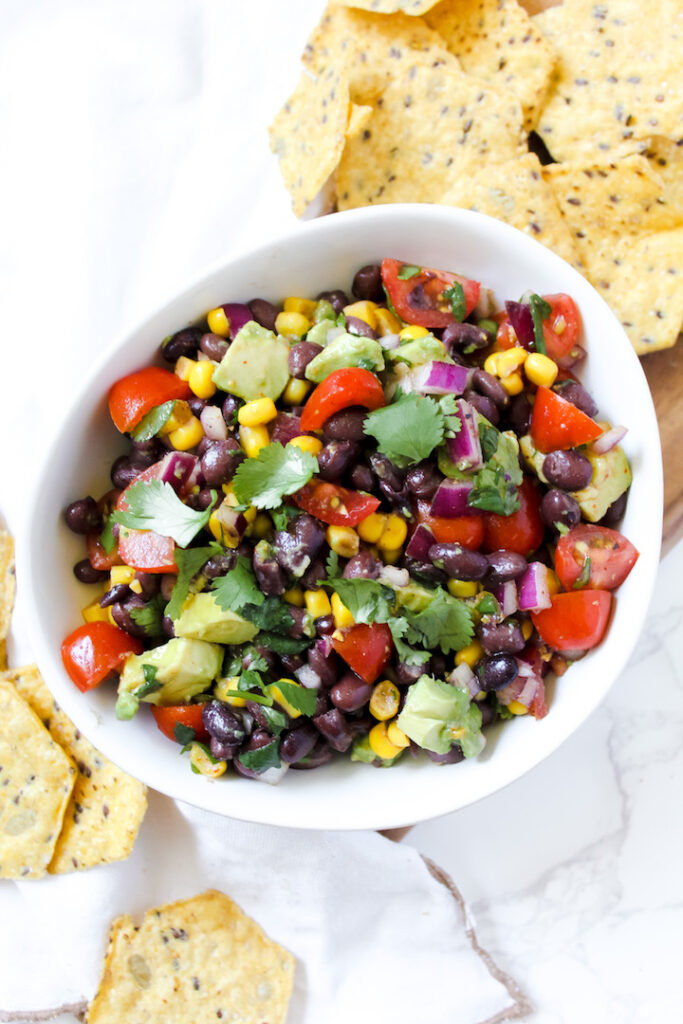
{"points": [[438, 378], [232, 523], [213, 424], [532, 588], [273, 775], [237, 316], [486, 304], [178, 469], [522, 323], [389, 341], [286, 426], [465, 448], [420, 543], [464, 677], [609, 439], [325, 645], [506, 596], [451, 499], [308, 677], [529, 662], [575, 354], [334, 332]]}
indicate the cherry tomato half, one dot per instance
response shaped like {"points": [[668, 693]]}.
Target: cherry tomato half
{"points": [[190, 715], [420, 298], [342, 388], [133, 396], [575, 621], [94, 650], [556, 423], [365, 649], [611, 556], [335, 505], [466, 530], [144, 549], [522, 531]]}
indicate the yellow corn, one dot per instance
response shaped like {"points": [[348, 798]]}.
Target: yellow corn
{"points": [[396, 735], [221, 688], [183, 367], [292, 325], [510, 360], [121, 574], [518, 709], [364, 310], [218, 322], [540, 369], [188, 436], [527, 628], [380, 744], [222, 525], [387, 323], [553, 582], [342, 615], [391, 556], [513, 383], [294, 596], [343, 540], [201, 379], [394, 533], [470, 655], [136, 587], [179, 417], [296, 305], [253, 439], [317, 603], [307, 443], [372, 527], [276, 693], [491, 364], [462, 588], [413, 332], [296, 391], [231, 499], [203, 764], [93, 613], [262, 526], [384, 700], [253, 414]]}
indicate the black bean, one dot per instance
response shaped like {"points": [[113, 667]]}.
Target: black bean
{"points": [[222, 751], [299, 622], [300, 355], [332, 725], [269, 575], [437, 664], [386, 471], [423, 480], [264, 313], [322, 703], [362, 566], [498, 671], [117, 593], [504, 565], [230, 408], [182, 343], [484, 405], [354, 325], [146, 453], [346, 425], [85, 573], [291, 662], [568, 470], [487, 712], [505, 637], [204, 499], [408, 674], [219, 565], [489, 386], [123, 472], [315, 572], [259, 738], [220, 460], [367, 283], [558, 507], [222, 722], [324, 625], [325, 667], [213, 346], [320, 755], [197, 405], [168, 582], [519, 414], [361, 478], [576, 393], [297, 743], [453, 756], [465, 336], [615, 512], [458, 562], [121, 613], [168, 626], [350, 693], [336, 298], [425, 572], [83, 516], [336, 458]]}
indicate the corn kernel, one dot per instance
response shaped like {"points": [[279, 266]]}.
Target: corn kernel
{"points": [[540, 369], [254, 414], [292, 325], [363, 310], [262, 526], [510, 360], [180, 415], [513, 383], [201, 379], [394, 534], [343, 540], [222, 524], [372, 527], [387, 323], [527, 628], [183, 367], [380, 744], [560, 324], [306, 443], [218, 322], [469, 655], [188, 436], [396, 735], [413, 332], [136, 587], [462, 588], [553, 582], [304, 306], [384, 700], [93, 613], [390, 556], [221, 688], [204, 764], [491, 364], [317, 603], [342, 615], [294, 596], [253, 439], [517, 709], [296, 391], [121, 574], [277, 695]]}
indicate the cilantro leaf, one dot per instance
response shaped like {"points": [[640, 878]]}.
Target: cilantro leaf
{"points": [[282, 516], [150, 684], [488, 435], [276, 471], [237, 588], [456, 296], [408, 430], [446, 622], [407, 271], [399, 628], [189, 562], [154, 505], [183, 734], [540, 311], [332, 565], [150, 424], [495, 485], [270, 614], [262, 759], [298, 697], [149, 617], [282, 644], [276, 720], [107, 536], [561, 528], [583, 579], [449, 407], [367, 600]]}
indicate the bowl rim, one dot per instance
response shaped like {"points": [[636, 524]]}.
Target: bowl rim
{"points": [[28, 552]]}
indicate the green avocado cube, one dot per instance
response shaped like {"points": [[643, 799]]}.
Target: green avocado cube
{"points": [[255, 366]]}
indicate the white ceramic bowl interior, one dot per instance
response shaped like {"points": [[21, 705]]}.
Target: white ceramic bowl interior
{"points": [[315, 256]]}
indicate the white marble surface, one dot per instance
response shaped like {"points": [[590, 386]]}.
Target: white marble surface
{"points": [[134, 155]]}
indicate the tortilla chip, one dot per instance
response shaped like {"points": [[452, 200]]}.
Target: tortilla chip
{"points": [[618, 76], [497, 41], [198, 960], [36, 780], [666, 158], [107, 806], [428, 128], [413, 7], [358, 120], [372, 49], [308, 135], [7, 585], [515, 192]]}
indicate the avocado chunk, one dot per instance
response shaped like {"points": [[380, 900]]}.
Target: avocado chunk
{"points": [[346, 350], [255, 365], [183, 667], [437, 714], [203, 619], [420, 351], [414, 597]]}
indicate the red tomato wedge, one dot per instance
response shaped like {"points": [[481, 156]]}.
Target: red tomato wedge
{"points": [[365, 649], [180, 714], [420, 298], [335, 505], [466, 530], [144, 549], [556, 423], [561, 330], [97, 556], [133, 396], [575, 621], [94, 650], [345, 387], [611, 556], [522, 531]]}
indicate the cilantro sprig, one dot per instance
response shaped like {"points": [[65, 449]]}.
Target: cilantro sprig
{"points": [[456, 296], [409, 429], [277, 470], [154, 505], [496, 483], [540, 311], [237, 588], [189, 562]]}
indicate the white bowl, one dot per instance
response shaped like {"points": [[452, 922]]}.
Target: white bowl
{"points": [[315, 256]]}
